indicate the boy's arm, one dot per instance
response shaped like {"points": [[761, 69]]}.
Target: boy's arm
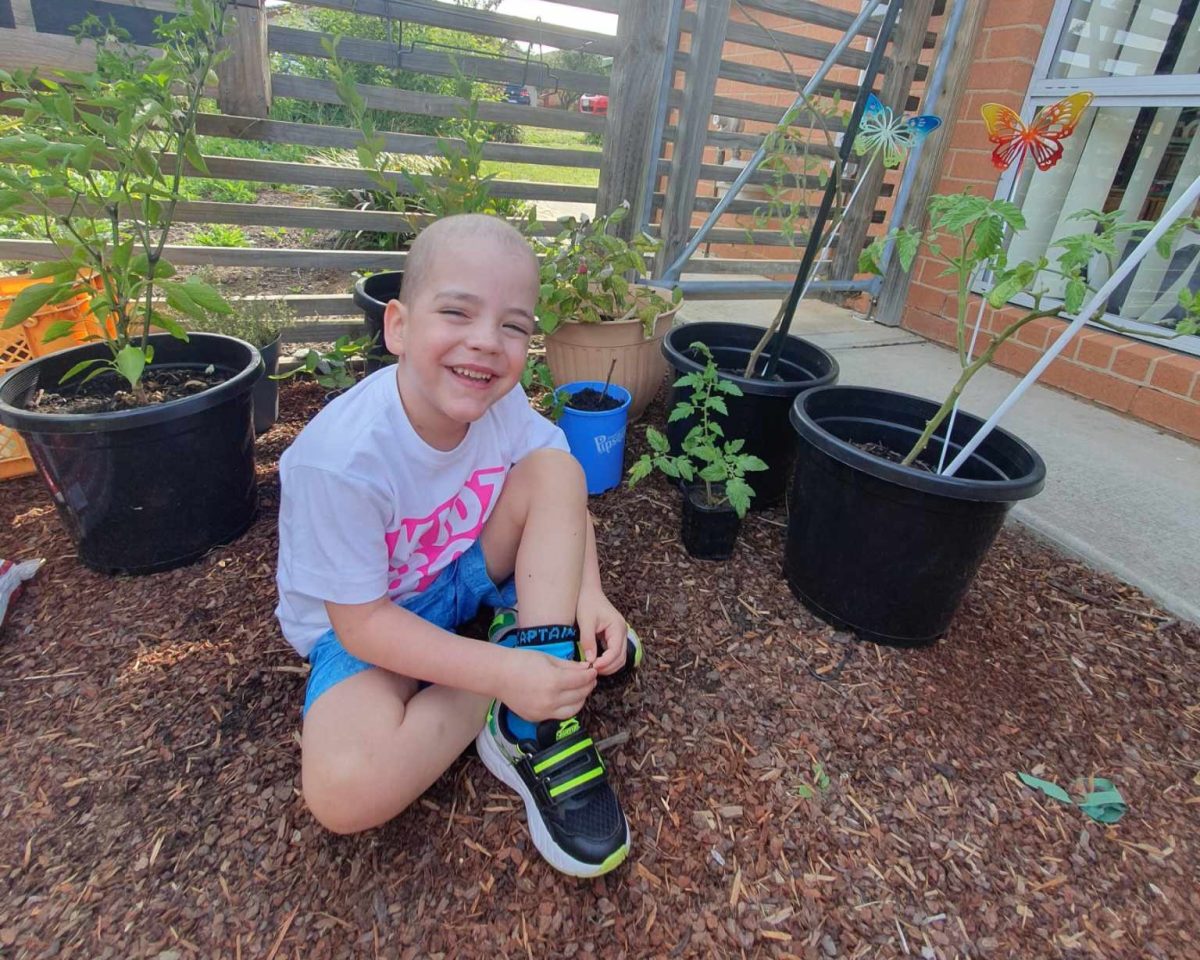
{"points": [[535, 685]]}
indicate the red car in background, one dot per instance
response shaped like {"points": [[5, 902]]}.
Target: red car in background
{"points": [[596, 103]]}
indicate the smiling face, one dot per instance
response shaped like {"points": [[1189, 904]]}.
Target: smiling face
{"points": [[463, 332]]}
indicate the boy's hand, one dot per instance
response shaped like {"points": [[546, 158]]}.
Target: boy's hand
{"points": [[597, 618], [538, 686]]}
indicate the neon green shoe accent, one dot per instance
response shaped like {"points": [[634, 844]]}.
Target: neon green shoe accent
{"points": [[504, 618], [638, 651], [569, 752], [614, 860], [566, 728], [576, 781]]}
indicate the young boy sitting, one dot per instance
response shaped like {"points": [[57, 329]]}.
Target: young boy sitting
{"points": [[427, 491]]}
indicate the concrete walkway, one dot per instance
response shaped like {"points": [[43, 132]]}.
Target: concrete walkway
{"points": [[1119, 494]]}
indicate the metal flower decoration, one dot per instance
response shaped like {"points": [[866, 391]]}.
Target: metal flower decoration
{"points": [[883, 132], [1043, 138]]}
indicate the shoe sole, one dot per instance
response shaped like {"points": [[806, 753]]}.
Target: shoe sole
{"points": [[502, 769]]}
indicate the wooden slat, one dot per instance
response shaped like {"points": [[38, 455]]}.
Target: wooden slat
{"points": [[25, 49], [752, 36], [313, 217], [318, 175], [307, 43], [317, 135], [693, 126], [478, 21], [435, 105], [184, 256], [320, 331], [821, 15], [245, 74], [642, 37]]}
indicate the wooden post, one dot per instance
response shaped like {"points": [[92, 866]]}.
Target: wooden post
{"points": [[908, 40], [244, 89], [704, 60], [893, 294], [632, 107]]}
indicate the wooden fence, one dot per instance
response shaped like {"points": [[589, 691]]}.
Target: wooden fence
{"points": [[713, 76]]}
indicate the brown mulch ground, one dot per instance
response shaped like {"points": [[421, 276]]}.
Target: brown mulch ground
{"points": [[149, 803]]}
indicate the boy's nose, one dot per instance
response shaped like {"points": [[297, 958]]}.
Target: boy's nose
{"points": [[484, 336]]}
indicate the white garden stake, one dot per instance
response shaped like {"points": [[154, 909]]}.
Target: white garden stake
{"points": [[1179, 208]]}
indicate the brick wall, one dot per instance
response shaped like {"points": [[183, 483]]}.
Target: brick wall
{"points": [[1154, 384]]}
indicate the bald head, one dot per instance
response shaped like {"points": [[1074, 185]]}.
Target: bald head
{"points": [[440, 238]]}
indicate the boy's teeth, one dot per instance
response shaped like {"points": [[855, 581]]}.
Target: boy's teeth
{"points": [[472, 374]]}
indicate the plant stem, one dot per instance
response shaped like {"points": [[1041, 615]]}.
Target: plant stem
{"points": [[968, 372]]}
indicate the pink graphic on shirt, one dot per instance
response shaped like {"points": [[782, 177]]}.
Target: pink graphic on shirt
{"points": [[420, 548]]}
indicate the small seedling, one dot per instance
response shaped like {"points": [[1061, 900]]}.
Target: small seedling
{"points": [[333, 368], [720, 466], [820, 782]]}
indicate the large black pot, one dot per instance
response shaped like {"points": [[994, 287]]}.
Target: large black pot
{"points": [[156, 487], [372, 295], [760, 416], [885, 550], [266, 391]]}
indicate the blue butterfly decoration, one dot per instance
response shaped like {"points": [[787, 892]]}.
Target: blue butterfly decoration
{"points": [[881, 131]]}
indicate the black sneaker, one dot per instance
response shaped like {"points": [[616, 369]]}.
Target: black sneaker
{"points": [[574, 818]]}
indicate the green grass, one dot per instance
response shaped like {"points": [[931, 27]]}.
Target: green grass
{"points": [[545, 137], [540, 173]]}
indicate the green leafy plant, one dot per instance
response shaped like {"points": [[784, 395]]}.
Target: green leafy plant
{"points": [[450, 183], [333, 368], [966, 233], [259, 321], [220, 235], [585, 274], [87, 156], [720, 466]]}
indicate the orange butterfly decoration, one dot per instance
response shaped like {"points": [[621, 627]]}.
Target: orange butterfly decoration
{"points": [[1043, 138]]}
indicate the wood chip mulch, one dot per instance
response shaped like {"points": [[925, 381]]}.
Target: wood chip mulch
{"points": [[791, 792]]}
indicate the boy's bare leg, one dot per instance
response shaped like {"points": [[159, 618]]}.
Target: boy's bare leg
{"points": [[537, 534], [372, 744]]}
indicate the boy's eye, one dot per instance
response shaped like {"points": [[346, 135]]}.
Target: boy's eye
{"points": [[517, 328], [452, 312]]}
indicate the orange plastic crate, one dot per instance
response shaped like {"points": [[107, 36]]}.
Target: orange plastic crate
{"points": [[24, 342]]}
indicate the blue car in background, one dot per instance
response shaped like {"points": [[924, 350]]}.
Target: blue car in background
{"points": [[516, 93]]}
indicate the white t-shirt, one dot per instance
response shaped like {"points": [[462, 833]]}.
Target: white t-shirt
{"points": [[368, 508]]}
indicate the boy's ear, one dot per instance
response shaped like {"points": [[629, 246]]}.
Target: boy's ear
{"points": [[395, 314]]}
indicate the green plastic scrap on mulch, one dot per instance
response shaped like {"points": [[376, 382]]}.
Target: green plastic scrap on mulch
{"points": [[1103, 804]]}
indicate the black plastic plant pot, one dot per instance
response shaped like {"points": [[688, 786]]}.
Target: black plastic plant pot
{"points": [[760, 416], [372, 295], [885, 550], [709, 532], [155, 487], [266, 391]]}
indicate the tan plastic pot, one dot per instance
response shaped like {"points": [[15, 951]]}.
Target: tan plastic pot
{"points": [[584, 351]]}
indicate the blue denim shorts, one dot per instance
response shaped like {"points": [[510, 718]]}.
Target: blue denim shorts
{"points": [[452, 599]]}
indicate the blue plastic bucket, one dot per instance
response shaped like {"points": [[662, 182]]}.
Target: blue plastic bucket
{"points": [[597, 438]]}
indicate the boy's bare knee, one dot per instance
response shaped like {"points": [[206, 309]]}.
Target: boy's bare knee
{"points": [[333, 790], [549, 468]]}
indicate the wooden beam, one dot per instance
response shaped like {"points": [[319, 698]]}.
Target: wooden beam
{"points": [[434, 105], [628, 140], [307, 43], [906, 48], [244, 77], [317, 135], [893, 295], [184, 256], [707, 40], [480, 22]]}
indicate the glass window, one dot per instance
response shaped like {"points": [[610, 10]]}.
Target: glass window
{"points": [[1138, 161], [1135, 150], [1128, 38]]}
